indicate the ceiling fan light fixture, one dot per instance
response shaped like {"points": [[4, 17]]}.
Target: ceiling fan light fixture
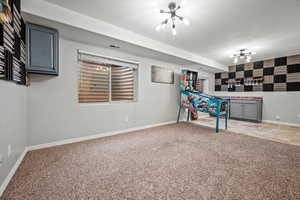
{"points": [[158, 27], [172, 11], [174, 32], [236, 59], [157, 10], [186, 21], [248, 58], [243, 54]]}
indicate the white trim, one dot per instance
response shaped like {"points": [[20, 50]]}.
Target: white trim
{"points": [[281, 123], [97, 136], [79, 51], [12, 172]]}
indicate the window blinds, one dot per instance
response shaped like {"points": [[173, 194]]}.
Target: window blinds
{"points": [[122, 83], [103, 79], [93, 83]]}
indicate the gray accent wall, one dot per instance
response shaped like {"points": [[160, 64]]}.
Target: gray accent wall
{"points": [[55, 114], [12, 124]]}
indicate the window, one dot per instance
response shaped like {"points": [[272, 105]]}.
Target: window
{"points": [[106, 79]]}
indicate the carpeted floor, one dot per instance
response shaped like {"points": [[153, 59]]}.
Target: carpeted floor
{"points": [[174, 162]]}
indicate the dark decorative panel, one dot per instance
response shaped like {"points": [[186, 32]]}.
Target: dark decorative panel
{"points": [[268, 87], [248, 74], [17, 47], [280, 61], [12, 44], [218, 75], [231, 75], [293, 86], [293, 68], [18, 4], [248, 88], [240, 68], [280, 78], [1, 35], [224, 81], [258, 65], [268, 71], [232, 88], [217, 87]]}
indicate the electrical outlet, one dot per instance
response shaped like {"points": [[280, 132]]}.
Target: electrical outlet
{"points": [[277, 118], [298, 115], [1, 160], [9, 150]]}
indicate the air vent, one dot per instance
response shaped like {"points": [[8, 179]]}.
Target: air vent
{"points": [[114, 46]]}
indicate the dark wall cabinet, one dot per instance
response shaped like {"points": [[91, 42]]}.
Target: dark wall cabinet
{"points": [[42, 50]]}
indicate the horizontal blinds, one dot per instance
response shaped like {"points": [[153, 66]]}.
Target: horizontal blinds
{"points": [[104, 79], [93, 83], [122, 83]]}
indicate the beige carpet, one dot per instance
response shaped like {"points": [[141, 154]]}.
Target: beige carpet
{"points": [[175, 162]]}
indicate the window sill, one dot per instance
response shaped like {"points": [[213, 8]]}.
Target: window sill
{"points": [[107, 103]]}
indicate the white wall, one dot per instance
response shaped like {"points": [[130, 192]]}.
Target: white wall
{"points": [[12, 124], [55, 114]]}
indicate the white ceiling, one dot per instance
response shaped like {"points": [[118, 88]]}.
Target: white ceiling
{"points": [[218, 27], [75, 34]]}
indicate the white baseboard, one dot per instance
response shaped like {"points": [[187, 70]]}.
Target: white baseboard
{"points": [[12, 172], [281, 123], [97, 136]]}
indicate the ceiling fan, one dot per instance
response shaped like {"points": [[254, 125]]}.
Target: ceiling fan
{"points": [[172, 11]]}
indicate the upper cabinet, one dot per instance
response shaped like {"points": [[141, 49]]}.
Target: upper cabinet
{"points": [[42, 50]]}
